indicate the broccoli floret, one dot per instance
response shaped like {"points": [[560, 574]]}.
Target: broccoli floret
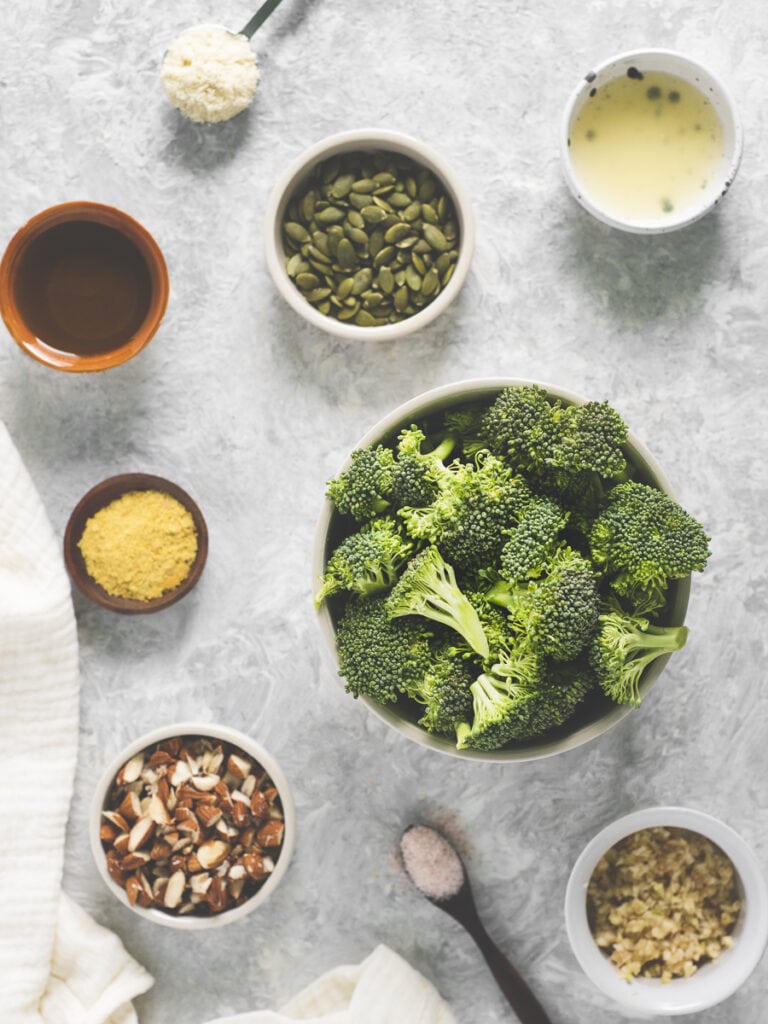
{"points": [[642, 540], [413, 477], [364, 489], [519, 426], [366, 561], [494, 715], [466, 425], [624, 646], [557, 612], [444, 690], [428, 587], [475, 503], [541, 435], [563, 688], [380, 658], [533, 542]]}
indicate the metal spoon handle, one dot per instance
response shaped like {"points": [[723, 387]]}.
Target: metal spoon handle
{"points": [[259, 18], [519, 996]]}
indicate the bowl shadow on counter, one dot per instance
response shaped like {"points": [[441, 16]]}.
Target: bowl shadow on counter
{"points": [[202, 147], [642, 277]]}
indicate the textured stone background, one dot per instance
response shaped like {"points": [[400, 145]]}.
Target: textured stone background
{"points": [[252, 411]]}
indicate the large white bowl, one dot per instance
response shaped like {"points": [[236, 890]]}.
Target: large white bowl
{"points": [[366, 139], [260, 755], [598, 713], [714, 981], [690, 71]]}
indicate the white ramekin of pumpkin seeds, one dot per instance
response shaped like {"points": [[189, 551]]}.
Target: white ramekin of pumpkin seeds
{"points": [[369, 235]]}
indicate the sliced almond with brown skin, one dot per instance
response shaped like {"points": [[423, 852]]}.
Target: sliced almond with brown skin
{"points": [[171, 746], [238, 766], [161, 850], [117, 820], [120, 845], [131, 770], [241, 815], [130, 806], [200, 883], [174, 890], [211, 853], [132, 889], [217, 896], [193, 864], [140, 834], [179, 774], [271, 834], [107, 832], [259, 805], [158, 758], [248, 785], [158, 812], [208, 815], [205, 782], [134, 860], [256, 866]]}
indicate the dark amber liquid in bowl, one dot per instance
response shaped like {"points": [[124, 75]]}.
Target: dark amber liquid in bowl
{"points": [[83, 287]]}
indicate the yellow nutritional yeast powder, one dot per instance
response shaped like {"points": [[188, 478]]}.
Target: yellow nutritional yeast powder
{"points": [[140, 545], [645, 145]]}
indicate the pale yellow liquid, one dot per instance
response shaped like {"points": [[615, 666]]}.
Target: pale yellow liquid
{"points": [[647, 149]]}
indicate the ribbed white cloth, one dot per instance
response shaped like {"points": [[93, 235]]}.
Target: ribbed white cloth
{"points": [[57, 966], [47, 975], [383, 989]]}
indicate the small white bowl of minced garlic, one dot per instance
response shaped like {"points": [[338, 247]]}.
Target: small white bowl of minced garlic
{"points": [[666, 910], [650, 141]]}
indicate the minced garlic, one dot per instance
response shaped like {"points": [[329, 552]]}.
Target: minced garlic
{"points": [[139, 546]]}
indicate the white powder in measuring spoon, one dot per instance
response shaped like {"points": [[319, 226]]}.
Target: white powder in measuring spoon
{"points": [[210, 74], [431, 862]]}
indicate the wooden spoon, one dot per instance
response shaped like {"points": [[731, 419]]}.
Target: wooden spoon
{"points": [[460, 905]]}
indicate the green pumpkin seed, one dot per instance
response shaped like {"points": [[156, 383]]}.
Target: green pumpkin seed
{"points": [[386, 280], [429, 213], [342, 186], [307, 281], [442, 262], [448, 274], [375, 242], [423, 247], [365, 319], [435, 237], [330, 215], [427, 190], [320, 240], [318, 294], [407, 243], [363, 278], [401, 298], [430, 282], [373, 214], [357, 236], [344, 290], [345, 254], [411, 187], [383, 204], [384, 255], [451, 231], [355, 219], [364, 185], [348, 312], [358, 200], [384, 178], [317, 254], [308, 205], [293, 264], [397, 232], [412, 211], [400, 200], [324, 307], [296, 232], [412, 278], [418, 262]]}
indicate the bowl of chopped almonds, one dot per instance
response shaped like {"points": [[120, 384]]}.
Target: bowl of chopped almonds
{"points": [[667, 911], [369, 235], [193, 826]]}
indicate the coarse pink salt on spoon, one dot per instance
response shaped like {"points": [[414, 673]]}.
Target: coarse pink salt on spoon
{"points": [[437, 871]]}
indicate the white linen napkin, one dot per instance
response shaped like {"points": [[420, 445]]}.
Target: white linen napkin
{"points": [[383, 989], [44, 978]]}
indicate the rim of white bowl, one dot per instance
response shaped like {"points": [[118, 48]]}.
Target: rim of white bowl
{"points": [[674, 62], [349, 141], [444, 396], [711, 983], [228, 735]]}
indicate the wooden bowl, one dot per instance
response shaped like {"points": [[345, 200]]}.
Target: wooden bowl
{"points": [[97, 498], [108, 217]]}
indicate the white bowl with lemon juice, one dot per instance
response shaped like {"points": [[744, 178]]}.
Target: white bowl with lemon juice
{"points": [[651, 141]]}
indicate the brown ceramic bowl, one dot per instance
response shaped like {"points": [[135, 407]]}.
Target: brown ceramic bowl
{"points": [[100, 496], [133, 334]]}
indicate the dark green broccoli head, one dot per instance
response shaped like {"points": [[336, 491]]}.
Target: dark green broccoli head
{"points": [[563, 687], [475, 503], [590, 438], [444, 690], [494, 715], [415, 474], [520, 427], [428, 587], [364, 489], [623, 647], [533, 542], [378, 657], [642, 540], [366, 561], [557, 612]]}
